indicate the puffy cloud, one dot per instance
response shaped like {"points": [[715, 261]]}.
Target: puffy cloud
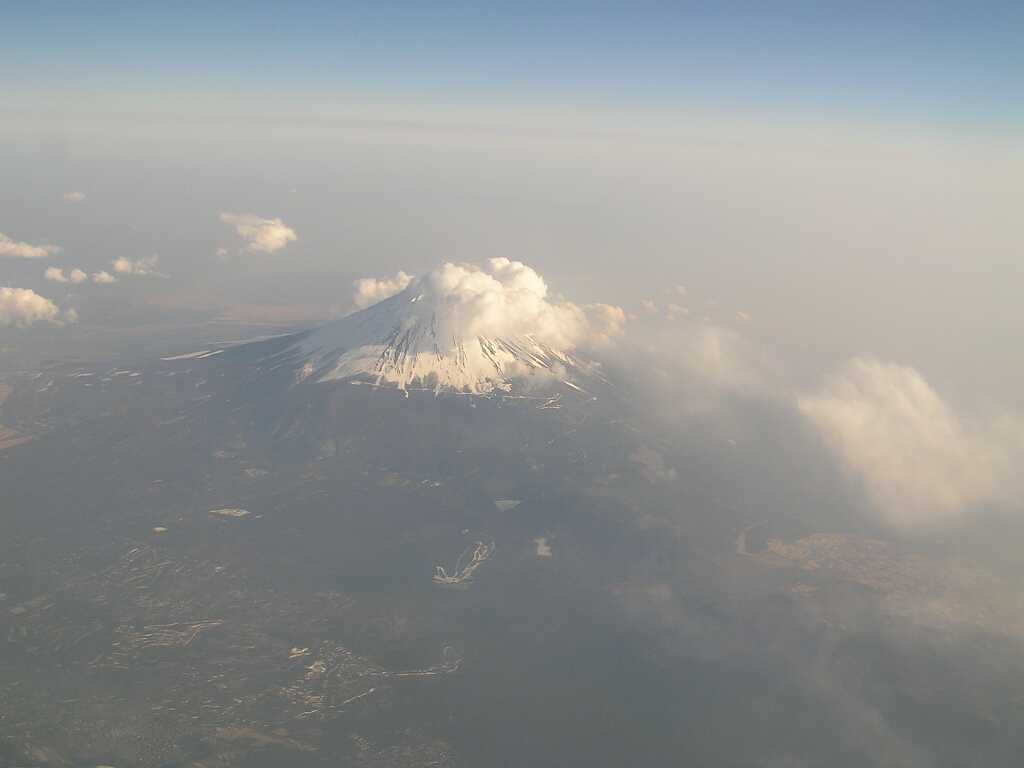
{"points": [[55, 274], [920, 461], [370, 290], [122, 266], [504, 299], [743, 317], [16, 250], [261, 235], [138, 267], [74, 197], [221, 253], [507, 298], [649, 306], [71, 316], [682, 291], [21, 307]]}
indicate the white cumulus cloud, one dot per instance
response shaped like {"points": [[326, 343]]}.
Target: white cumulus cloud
{"points": [[103, 277], [138, 267], [55, 274], [22, 307], [16, 250], [74, 197], [921, 462], [504, 299], [77, 276], [260, 235], [370, 290]]}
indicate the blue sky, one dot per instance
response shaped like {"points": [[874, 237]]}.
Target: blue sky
{"points": [[906, 61]]}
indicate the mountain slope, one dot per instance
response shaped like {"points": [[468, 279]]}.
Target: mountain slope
{"points": [[413, 341]]}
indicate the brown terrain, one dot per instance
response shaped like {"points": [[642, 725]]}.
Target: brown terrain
{"points": [[9, 437], [936, 592]]}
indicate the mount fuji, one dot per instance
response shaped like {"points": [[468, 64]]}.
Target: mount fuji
{"points": [[457, 330], [413, 340]]}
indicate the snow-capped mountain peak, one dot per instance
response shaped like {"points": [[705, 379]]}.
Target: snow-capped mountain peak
{"points": [[466, 328], [418, 339]]}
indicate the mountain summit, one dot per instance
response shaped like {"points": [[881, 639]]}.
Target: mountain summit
{"points": [[461, 327], [420, 339]]}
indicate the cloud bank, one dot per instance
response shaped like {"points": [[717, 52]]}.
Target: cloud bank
{"points": [[502, 299], [16, 250], [22, 307], [920, 461], [505, 298], [260, 235]]}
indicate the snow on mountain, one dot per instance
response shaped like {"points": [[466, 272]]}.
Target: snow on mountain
{"points": [[464, 327], [461, 327], [412, 340]]}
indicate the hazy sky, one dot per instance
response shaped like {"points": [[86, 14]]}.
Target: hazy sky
{"points": [[948, 61], [832, 182]]}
